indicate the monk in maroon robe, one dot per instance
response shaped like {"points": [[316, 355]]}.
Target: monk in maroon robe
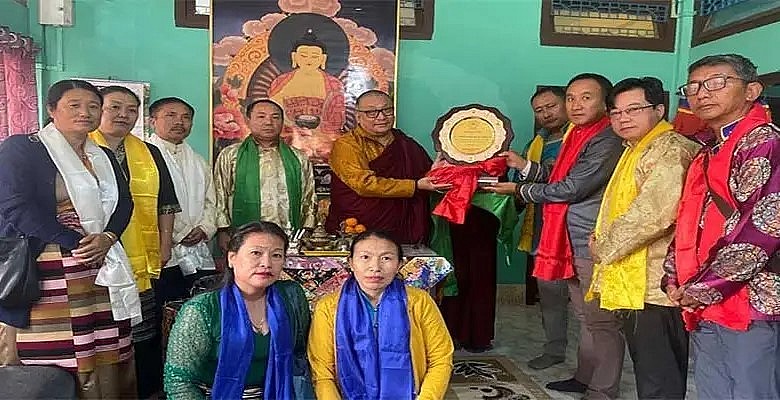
{"points": [[379, 175]]}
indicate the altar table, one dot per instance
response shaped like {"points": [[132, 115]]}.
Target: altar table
{"points": [[322, 275]]}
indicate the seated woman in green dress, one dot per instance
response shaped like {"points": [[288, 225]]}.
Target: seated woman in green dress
{"points": [[265, 322], [378, 338]]}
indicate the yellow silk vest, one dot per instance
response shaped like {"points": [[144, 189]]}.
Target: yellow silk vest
{"points": [[141, 238]]}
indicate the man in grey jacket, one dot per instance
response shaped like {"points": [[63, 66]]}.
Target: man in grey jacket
{"points": [[571, 192]]}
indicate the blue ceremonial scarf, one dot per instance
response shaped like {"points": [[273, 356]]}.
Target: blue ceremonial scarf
{"points": [[237, 347], [368, 367]]}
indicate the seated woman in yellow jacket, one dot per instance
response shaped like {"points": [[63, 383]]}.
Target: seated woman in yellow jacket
{"points": [[377, 338]]}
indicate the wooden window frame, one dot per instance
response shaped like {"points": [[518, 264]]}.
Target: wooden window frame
{"points": [[185, 16], [548, 36], [770, 79], [701, 37], [423, 29]]}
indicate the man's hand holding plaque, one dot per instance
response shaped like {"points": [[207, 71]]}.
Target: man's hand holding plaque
{"points": [[513, 160], [470, 139], [427, 183]]}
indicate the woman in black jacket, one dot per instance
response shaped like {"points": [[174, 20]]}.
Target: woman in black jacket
{"points": [[69, 198]]}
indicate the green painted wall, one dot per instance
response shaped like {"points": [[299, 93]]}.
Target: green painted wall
{"points": [[489, 52], [757, 44], [134, 40], [483, 51], [14, 15]]}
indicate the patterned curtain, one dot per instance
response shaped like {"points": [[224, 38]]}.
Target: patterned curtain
{"points": [[18, 96]]}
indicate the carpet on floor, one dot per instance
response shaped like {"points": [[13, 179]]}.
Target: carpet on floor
{"points": [[491, 377]]}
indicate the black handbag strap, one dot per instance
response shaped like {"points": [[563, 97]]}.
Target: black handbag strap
{"points": [[723, 206]]}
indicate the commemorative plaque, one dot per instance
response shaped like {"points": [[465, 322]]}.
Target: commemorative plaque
{"points": [[472, 133]]}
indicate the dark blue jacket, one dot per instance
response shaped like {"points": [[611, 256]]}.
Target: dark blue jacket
{"points": [[28, 205]]}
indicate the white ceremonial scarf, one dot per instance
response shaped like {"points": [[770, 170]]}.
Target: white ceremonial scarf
{"points": [[189, 182], [95, 201]]}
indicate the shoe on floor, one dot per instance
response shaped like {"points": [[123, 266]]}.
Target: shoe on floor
{"points": [[570, 385], [545, 361]]}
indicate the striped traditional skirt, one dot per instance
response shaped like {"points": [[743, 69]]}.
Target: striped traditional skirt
{"points": [[72, 326]]}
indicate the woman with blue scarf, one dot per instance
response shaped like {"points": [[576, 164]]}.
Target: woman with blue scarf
{"points": [[248, 339], [377, 338]]}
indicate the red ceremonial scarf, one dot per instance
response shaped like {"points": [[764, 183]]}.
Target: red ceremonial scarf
{"points": [[463, 178], [554, 258], [693, 245]]}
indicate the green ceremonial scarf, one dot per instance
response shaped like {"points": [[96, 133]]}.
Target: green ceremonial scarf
{"points": [[246, 199], [502, 206]]}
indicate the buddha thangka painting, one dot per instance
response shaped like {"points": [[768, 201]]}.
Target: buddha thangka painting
{"points": [[313, 57]]}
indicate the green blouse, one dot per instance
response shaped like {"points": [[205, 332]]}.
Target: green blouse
{"points": [[193, 345]]}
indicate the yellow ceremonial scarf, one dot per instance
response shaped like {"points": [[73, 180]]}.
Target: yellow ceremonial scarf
{"points": [[141, 238], [527, 231], [622, 285], [534, 153]]}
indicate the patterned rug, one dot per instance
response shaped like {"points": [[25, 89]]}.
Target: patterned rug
{"points": [[491, 377]]}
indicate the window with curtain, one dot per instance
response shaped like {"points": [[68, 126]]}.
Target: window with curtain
{"points": [[18, 95], [620, 24], [716, 19]]}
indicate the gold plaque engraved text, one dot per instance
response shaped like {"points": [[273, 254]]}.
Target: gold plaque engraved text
{"points": [[472, 135]]}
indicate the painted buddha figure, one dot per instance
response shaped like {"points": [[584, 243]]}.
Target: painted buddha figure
{"points": [[313, 100]]}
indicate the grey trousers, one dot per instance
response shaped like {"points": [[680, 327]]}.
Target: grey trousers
{"points": [[731, 364], [554, 302], [602, 346]]}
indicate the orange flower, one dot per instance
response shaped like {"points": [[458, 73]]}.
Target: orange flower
{"points": [[360, 228]]}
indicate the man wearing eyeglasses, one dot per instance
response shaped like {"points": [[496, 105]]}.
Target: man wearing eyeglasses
{"points": [[379, 175], [633, 232], [571, 192], [722, 268]]}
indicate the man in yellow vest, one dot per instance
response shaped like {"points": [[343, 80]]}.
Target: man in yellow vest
{"points": [[633, 232], [549, 107], [148, 238]]}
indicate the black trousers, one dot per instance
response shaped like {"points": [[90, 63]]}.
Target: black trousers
{"points": [[171, 285], [148, 367], [658, 345], [531, 285]]}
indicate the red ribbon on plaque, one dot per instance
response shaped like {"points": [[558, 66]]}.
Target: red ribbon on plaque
{"points": [[463, 178]]}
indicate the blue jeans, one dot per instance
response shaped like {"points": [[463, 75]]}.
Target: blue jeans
{"points": [[731, 364]]}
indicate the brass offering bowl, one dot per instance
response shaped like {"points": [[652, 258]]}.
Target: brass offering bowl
{"points": [[318, 243]]}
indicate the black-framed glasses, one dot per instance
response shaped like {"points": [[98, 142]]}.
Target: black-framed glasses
{"points": [[373, 114], [632, 111], [711, 84]]}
